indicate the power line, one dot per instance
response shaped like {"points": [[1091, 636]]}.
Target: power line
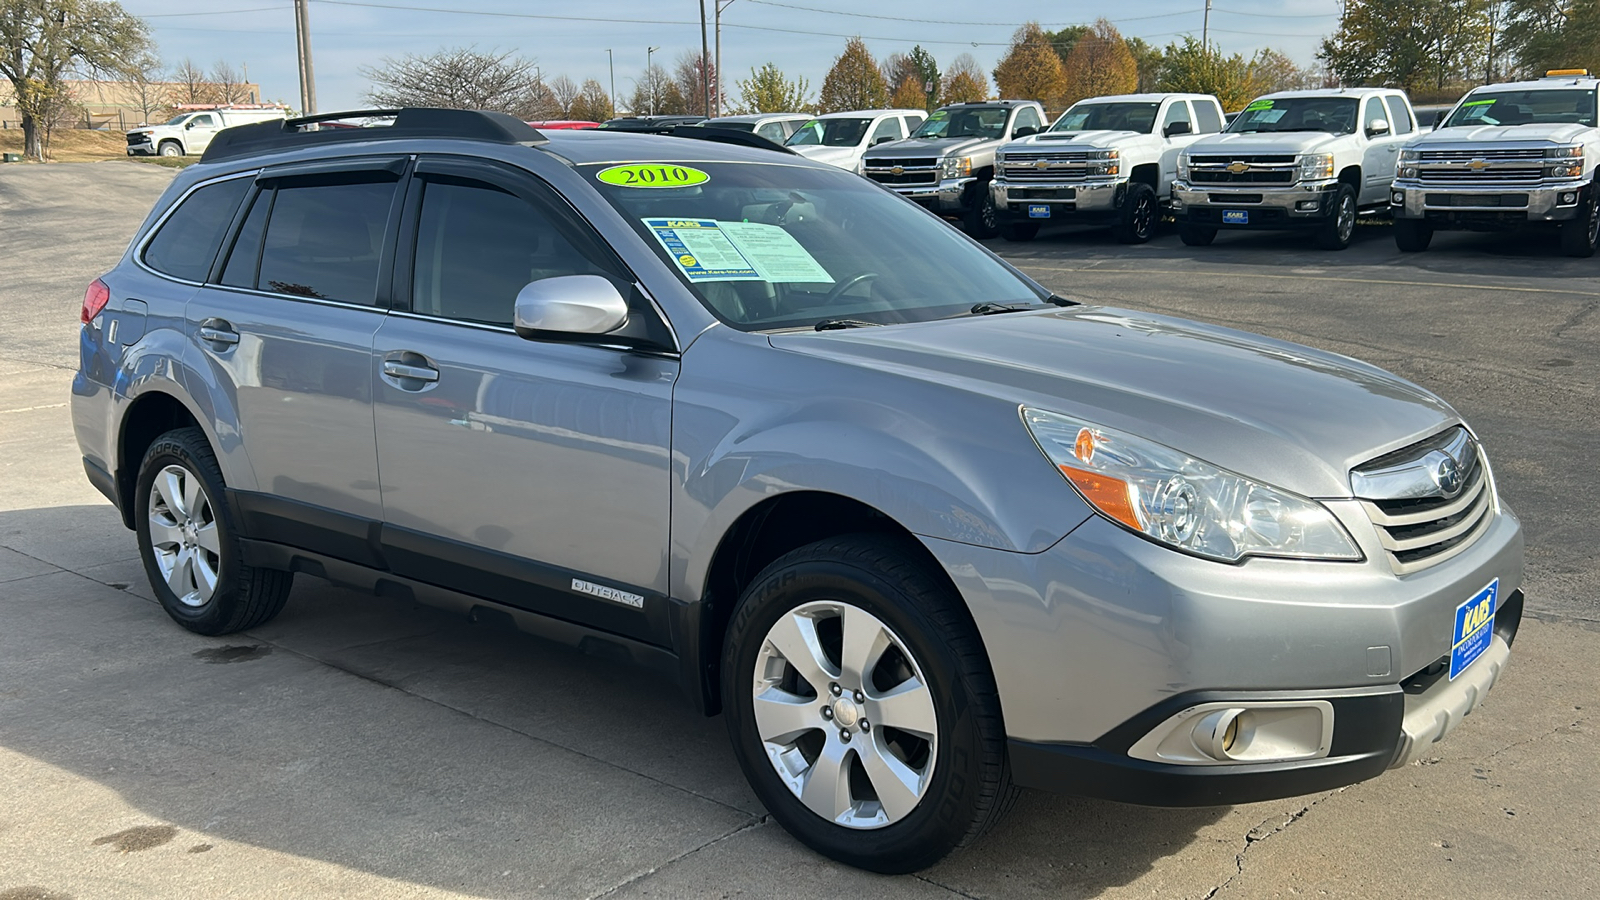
{"points": [[840, 12], [503, 15], [218, 12]]}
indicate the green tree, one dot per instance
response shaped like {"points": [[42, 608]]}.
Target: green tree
{"points": [[964, 81], [1100, 65], [1271, 70], [768, 91], [44, 41], [1550, 34], [1193, 68], [1415, 44], [927, 69], [592, 103], [1064, 40], [1030, 70], [854, 82], [1147, 57]]}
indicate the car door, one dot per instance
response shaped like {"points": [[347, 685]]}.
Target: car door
{"points": [[533, 473], [1178, 110], [1026, 117], [1383, 150], [887, 128], [198, 132], [284, 331]]}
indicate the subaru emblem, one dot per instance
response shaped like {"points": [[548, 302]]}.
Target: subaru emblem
{"points": [[1445, 472]]}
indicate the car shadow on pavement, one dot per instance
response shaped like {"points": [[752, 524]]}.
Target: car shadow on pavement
{"points": [[412, 744]]}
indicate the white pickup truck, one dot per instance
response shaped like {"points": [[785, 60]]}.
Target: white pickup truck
{"points": [[1310, 160], [188, 133], [1106, 160], [1508, 156]]}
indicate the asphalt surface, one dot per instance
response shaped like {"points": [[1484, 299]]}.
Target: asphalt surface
{"points": [[359, 748]]}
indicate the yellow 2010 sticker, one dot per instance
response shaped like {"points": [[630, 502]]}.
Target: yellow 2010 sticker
{"points": [[653, 175]]}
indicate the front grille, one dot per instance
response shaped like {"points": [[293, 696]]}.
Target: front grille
{"points": [[1484, 154], [1059, 166], [1492, 175], [916, 163], [1275, 159], [917, 171], [138, 138], [1514, 201], [905, 178], [1234, 198], [1424, 527], [1042, 194]]}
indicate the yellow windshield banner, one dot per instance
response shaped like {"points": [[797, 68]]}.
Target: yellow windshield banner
{"points": [[653, 175]]}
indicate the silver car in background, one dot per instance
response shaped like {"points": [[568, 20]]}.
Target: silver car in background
{"points": [[921, 530]]}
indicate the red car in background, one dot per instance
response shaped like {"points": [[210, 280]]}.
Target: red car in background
{"points": [[564, 123]]}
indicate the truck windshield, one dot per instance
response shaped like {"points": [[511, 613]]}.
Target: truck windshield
{"points": [[830, 133], [1564, 107], [1334, 115], [773, 246], [965, 122], [177, 119], [1140, 117]]}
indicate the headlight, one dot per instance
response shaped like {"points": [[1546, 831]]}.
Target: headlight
{"points": [[1000, 157], [1573, 152], [958, 167], [1105, 162], [1316, 166], [1183, 166], [1566, 171], [1410, 154], [1406, 171], [1175, 499]]}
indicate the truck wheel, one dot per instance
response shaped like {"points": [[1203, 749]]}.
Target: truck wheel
{"points": [[171, 148], [191, 552], [1136, 223], [1412, 235], [1335, 234], [1197, 235], [861, 705], [1020, 231], [1580, 236], [979, 220]]}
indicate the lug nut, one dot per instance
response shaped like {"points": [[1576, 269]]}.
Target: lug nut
{"points": [[860, 697], [844, 736], [865, 725], [835, 689], [827, 713]]}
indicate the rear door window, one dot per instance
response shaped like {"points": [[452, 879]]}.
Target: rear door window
{"points": [[888, 130], [773, 131], [323, 237], [187, 242], [1177, 112], [1209, 116], [1399, 115]]}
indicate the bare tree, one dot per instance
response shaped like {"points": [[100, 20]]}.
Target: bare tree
{"points": [[227, 85], [566, 92], [151, 93], [190, 84], [651, 92], [459, 78], [687, 79]]}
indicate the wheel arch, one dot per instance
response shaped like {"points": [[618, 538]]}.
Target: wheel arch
{"points": [[1351, 175], [148, 416], [1147, 173]]}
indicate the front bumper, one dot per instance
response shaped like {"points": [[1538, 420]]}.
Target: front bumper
{"points": [[142, 148], [1486, 203], [1303, 205], [1106, 635], [948, 196], [1076, 200]]}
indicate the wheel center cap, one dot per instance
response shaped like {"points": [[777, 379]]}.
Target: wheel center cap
{"points": [[846, 712]]}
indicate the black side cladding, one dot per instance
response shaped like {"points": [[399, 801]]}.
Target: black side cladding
{"points": [[289, 134]]}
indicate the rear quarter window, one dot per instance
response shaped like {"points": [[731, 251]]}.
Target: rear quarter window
{"points": [[186, 243], [1209, 116]]}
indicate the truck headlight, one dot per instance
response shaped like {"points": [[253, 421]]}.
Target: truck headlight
{"points": [[1186, 503], [1406, 171], [1575, 171], [1183, 166], [1316, 166], [1105, 162], [1410, 154], [1573, 152], [958, 167]]}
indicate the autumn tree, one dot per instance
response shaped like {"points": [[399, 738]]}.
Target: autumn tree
{"points": [[42, 43], [1067, 38], [592, 103], [909, 95], [566, 91], [927, 71], [854, 82], [964, 81], [650, 92], [767, 90], [460, 78], [1414, 44], [1030, 70], [1100, 65], [1191, 67], [1271, 70], [686, 76]]}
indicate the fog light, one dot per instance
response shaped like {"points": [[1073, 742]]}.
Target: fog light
{"points": [[1307, 204], [1213, 734], [1230, 734], [1397, 198], [1568, 198]]}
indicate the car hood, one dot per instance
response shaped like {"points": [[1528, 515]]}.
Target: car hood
{"points": [[1068, 140], [1278, 412], [1260, 142], [926, 147], [1558, 133]]}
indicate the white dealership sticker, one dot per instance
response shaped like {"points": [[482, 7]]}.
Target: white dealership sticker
{"points": [[713, 250], [607, 593]]}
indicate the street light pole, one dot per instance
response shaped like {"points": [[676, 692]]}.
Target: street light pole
{"points": [[1205, 29], [611, 63], [705, 76], [649, 76], [308, 77]]}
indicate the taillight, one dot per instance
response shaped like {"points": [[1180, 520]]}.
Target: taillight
{"points": [[94, 300]]}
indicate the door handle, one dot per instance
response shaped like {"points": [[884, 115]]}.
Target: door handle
{"points": [[401, 370], [218, 331]]}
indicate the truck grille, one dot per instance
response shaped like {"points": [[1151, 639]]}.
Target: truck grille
{"points": [[1516, 201], [913, 171], [137, 138], [1059, 166], [1490, 175], [1486, 154], [1273, 169], [1418, 522]]}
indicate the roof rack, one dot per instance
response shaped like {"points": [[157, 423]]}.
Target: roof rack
{"points": [[415, 122]]}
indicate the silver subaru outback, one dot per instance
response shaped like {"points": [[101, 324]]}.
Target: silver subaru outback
{"points": [[923, 532]]}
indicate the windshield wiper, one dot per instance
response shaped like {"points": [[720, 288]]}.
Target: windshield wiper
{"points": [[990, 307], [837, 324], [1062, 301]]}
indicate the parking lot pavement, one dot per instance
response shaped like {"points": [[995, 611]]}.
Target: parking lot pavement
{"points": [[356, 747]]}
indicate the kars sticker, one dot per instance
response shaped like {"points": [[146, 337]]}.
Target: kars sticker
{"points": [[653, 175]]}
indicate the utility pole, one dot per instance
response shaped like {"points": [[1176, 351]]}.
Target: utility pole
{"points": [[650, 76], [719, 6], [1205, 29], [308, 77], [611, 63], [705, 59]]}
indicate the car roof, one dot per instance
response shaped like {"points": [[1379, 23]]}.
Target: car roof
{"points": [[1331, 92], [1152, 97], [978, 104], [756, 117], [871, 113], [1553, 82], [600, 146]]}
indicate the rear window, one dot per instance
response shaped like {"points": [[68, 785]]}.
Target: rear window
{"points": [[187, 242], [1210, 117], [315, 237]]}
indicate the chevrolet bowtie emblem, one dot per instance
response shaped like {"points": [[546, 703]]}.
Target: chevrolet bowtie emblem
{"points": [[1478, 165], [1042, 164], [1238, 168], [898, 170]]}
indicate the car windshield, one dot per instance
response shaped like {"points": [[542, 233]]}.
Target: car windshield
{"points": [[1140, 117], [785, 246], [965, 122], [830, 133], [177, 119], [1567, 107], [1334, 115], [736, 126]]}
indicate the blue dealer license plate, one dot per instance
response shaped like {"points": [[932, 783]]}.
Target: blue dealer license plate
{"points": [[1474, 628], [1038, 210], [1236, 217]]}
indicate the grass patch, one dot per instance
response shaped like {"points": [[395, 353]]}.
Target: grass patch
{"points": [[171, 162], [73, 144]]}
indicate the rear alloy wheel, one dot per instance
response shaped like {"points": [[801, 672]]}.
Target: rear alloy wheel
{"points": [[1340, 227], [1020, 231], [861, 706], [1136, 222], [1197, 235], [1412, 235], [1580, 236]]}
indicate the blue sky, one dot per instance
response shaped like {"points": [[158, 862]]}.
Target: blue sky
{"points": [[346, 35]]}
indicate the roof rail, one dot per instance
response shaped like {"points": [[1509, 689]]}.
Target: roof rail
{"points": [[412, 122]]}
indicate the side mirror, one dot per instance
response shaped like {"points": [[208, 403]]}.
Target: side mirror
{"points": [[1439, 117], [1024, 131], [569, 307], [188, 125], [1377, 127], [881, 140], [1176, 128]]}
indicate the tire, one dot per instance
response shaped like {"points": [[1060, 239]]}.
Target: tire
{"points": [[1020, 231], [1197, 235], [171, 148], [920, 632], [1412, 235], [1136, 222], [1580, 236], [979, 219], [1336, 232], [188, 541]]}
